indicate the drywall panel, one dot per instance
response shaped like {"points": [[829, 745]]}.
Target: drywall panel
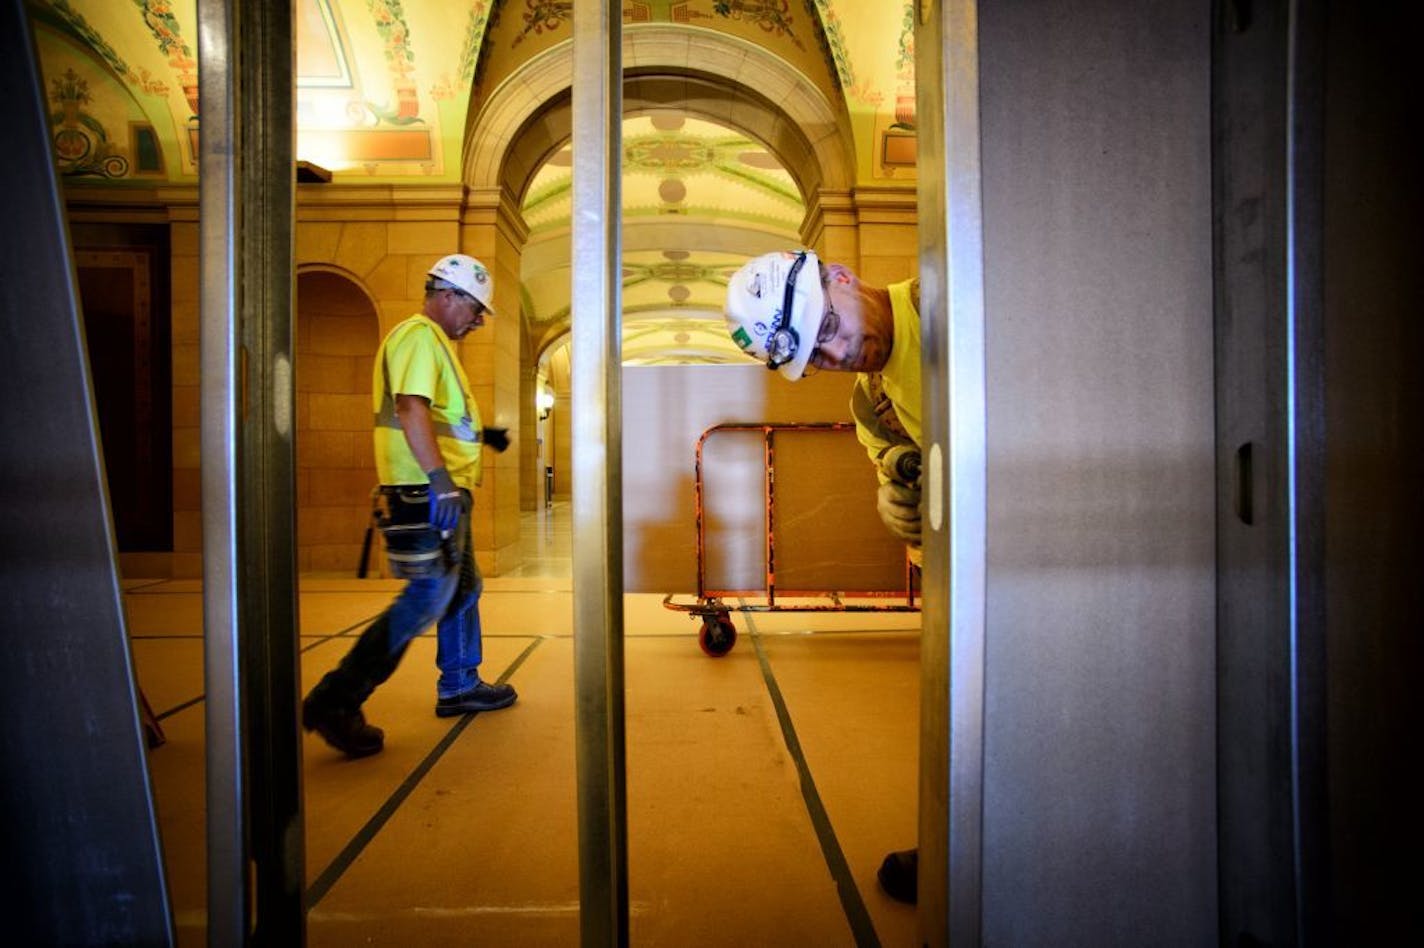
{"points": [[1099, 782]]}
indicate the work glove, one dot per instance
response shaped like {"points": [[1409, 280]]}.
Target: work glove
{"points": [[446, 504], [899, 509], [497, 438]]}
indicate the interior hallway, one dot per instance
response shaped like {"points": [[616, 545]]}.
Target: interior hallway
{"points": [[763, 787]]}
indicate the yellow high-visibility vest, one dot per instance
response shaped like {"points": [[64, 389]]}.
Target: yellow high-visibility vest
{"points": [[417, 358]]}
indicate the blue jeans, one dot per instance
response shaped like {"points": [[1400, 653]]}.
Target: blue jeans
{"points": [[452, 601], [449, 597]]}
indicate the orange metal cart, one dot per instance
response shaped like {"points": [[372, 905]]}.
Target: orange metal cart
{"points": [[718, 633]]}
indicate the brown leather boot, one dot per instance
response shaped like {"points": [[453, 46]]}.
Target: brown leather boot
{"points": [[345, 730], [899, 875]]}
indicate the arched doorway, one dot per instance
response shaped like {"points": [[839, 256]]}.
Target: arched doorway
{"points": [[792, 124], [337, 333]]}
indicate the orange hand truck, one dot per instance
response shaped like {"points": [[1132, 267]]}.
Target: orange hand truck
{"points": [[718, 633]]}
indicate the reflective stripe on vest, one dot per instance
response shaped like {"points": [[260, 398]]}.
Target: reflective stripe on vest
{"points": [[464, 431]]}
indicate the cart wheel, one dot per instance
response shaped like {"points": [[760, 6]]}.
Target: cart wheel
{"points": [[718, 634]]}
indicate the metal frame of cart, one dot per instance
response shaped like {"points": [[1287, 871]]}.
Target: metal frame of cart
{"points": [[718, 633]]}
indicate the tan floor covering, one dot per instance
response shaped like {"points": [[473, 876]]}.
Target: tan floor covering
{"points": [[483, 849]]}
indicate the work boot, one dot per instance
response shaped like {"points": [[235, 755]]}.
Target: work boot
{"points": [[899, 875], [345, 730], [482, 697]]}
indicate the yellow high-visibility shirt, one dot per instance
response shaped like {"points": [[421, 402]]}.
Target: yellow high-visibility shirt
{"points": [[417, 358], [901, 375], [899, 382]]}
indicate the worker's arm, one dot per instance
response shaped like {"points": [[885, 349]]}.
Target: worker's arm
{"points": [[878, 428], [446, 503], [414, 414]]}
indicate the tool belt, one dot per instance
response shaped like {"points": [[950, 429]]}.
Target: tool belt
{"points": [[415, 548]]}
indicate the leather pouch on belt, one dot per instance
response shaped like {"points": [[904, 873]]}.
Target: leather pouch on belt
{"points": [[414, 548]]}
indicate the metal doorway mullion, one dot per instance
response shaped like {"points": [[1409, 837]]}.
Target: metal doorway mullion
{"points": [[1271, 661], [1305, 451], [955, 573], [82, 859], [227, 900], [255, 840], [597, 480]]}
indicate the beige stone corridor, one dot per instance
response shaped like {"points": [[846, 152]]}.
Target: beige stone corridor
{"points": [[463, 831]]}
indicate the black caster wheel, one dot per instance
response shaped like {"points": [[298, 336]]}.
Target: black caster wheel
{"points": [[718, 634]]}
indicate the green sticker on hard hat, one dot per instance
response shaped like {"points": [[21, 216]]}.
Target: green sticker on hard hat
{"points": [[741, 338]]}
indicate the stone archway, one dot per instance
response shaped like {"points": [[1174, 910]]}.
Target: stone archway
{"points": [[337, 334], [529, 116], [722, 79]]}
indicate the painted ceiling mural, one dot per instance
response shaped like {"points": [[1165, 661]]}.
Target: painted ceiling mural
{"points": [[383, 92], [698, 199]]}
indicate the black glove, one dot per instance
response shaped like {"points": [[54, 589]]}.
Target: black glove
{"points": [[901, 463], [497, 438], [899, 509], [446, 504]]}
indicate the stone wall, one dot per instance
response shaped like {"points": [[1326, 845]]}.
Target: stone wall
{"points": [[361, 256], [380, 241]]}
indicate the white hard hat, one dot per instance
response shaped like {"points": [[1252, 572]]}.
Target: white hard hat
{"points": [[467, 275], [774, 308]]}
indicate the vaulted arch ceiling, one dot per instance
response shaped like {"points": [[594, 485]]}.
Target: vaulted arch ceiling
{"points": [[740, 112], [699, 198], [719, 164], [725, 143], [385, 87]]}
